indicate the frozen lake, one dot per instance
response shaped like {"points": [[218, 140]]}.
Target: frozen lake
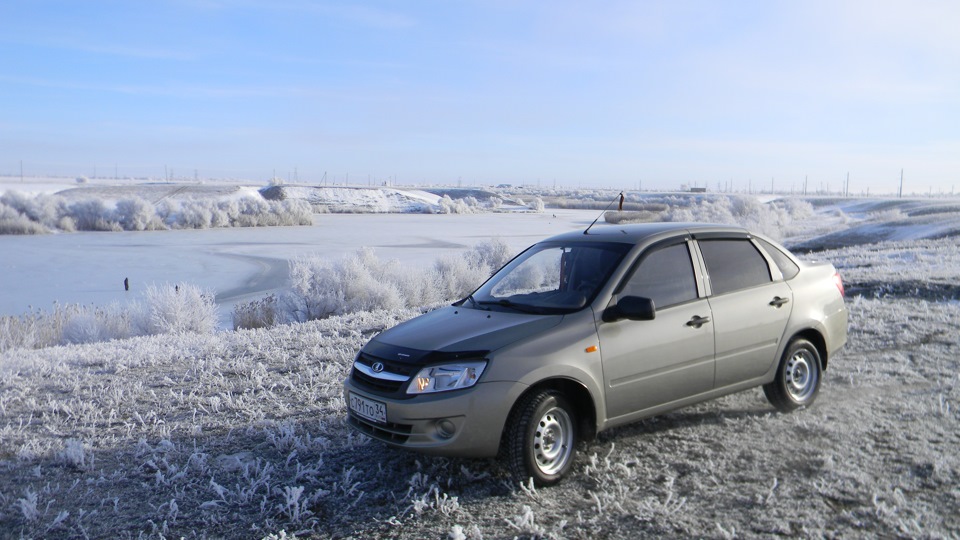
{"points": [[242, 263]]}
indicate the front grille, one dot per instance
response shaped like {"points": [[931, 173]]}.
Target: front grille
{"points": [[389, 432], [388, 365], [386, 385], [377, 385]]}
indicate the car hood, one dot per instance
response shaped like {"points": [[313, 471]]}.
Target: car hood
{"points": [[442, 334]]}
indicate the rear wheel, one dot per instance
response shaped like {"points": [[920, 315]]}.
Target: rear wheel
{"points": [[798, 377], [541, 436]]}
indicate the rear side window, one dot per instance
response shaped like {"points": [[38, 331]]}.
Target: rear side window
{"points": [[787, 267], [734, 264], [665, 276]]}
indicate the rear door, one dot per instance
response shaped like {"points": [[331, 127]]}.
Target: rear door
{"points": [[651, 363], [750, 304]]}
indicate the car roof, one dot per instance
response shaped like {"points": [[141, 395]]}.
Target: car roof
{"points": [[636, 233]]}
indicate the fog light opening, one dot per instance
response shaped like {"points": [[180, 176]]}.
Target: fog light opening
{"points": [[446, 429]]}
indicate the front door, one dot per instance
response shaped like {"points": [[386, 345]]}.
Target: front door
{"points": [[651, 363]]}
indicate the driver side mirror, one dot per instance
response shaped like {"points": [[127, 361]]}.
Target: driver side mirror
{"points": [[634, 308]]}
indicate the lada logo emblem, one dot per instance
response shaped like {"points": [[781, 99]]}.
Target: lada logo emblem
{"points": [[377, 367]]}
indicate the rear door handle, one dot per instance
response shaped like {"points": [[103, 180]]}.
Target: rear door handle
{"points": [[698, 321], [777, 301]]}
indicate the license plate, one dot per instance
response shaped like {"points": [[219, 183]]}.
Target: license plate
{"points": [[368, 408]]}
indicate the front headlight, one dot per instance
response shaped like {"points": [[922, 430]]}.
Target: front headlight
{"points": [[446, 377]]}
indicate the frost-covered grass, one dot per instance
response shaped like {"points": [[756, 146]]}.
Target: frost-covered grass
{"points": [[923, 269], [165, 309], [241, 434], [39, 213]]}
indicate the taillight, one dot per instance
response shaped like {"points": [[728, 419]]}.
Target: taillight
{"points": [[838, 282]]}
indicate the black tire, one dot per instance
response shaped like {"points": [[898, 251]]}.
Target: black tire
{"points": [[541, 437], [798, 377]]}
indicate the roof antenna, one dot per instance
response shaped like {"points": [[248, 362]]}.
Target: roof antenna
{"points": [[605, 210]]}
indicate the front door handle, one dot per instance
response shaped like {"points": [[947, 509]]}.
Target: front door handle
{"points": [[777, 301], [698, 321]]}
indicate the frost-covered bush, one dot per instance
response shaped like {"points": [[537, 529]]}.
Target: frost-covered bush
{"points": [[491, 255], [83, 327], [13, 222], [454, 277], [537, 205], [179, 308], [167, 309], [322, 287], [42, 208], [92, 215], [360, 282], [32, 214], [773, 219], [137, 214], [469, 205], [192, 215]]}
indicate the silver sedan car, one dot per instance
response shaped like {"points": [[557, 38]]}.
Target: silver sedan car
{"points": [[583, 332]]}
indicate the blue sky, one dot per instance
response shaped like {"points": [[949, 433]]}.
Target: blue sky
{"points": [[613, 94]]}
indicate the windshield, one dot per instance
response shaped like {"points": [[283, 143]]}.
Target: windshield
{"points": [[552, 277]]}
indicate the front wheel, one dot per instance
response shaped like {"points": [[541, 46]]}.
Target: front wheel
{"points": [[798, 377], [541, 436]]}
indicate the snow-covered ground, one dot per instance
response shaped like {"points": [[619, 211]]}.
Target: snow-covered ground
{"points": [[241, 434]]}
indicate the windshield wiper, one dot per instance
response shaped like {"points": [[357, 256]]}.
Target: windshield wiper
{"points": [[471, 299]]}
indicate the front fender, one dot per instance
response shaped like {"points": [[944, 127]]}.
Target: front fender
{"points": [[570, 351]]}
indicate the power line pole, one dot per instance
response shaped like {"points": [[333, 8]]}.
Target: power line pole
{"points": [[900, 193]]}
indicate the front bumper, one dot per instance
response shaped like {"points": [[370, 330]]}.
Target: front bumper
{"points": [[459, 423]]}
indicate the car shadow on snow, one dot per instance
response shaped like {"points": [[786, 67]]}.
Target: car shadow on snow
{"points": [[681, 420]]}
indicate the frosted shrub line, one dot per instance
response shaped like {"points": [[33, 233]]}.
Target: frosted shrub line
{"points": [[167, 309], [773, 219], [25, 214], [362, 282]]}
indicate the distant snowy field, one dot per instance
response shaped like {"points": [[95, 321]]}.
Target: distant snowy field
{"points": [[241, 434]]}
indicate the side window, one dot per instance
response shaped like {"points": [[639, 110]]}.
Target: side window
{"points": [[787, 267], [734, 264], [665, 276]]}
